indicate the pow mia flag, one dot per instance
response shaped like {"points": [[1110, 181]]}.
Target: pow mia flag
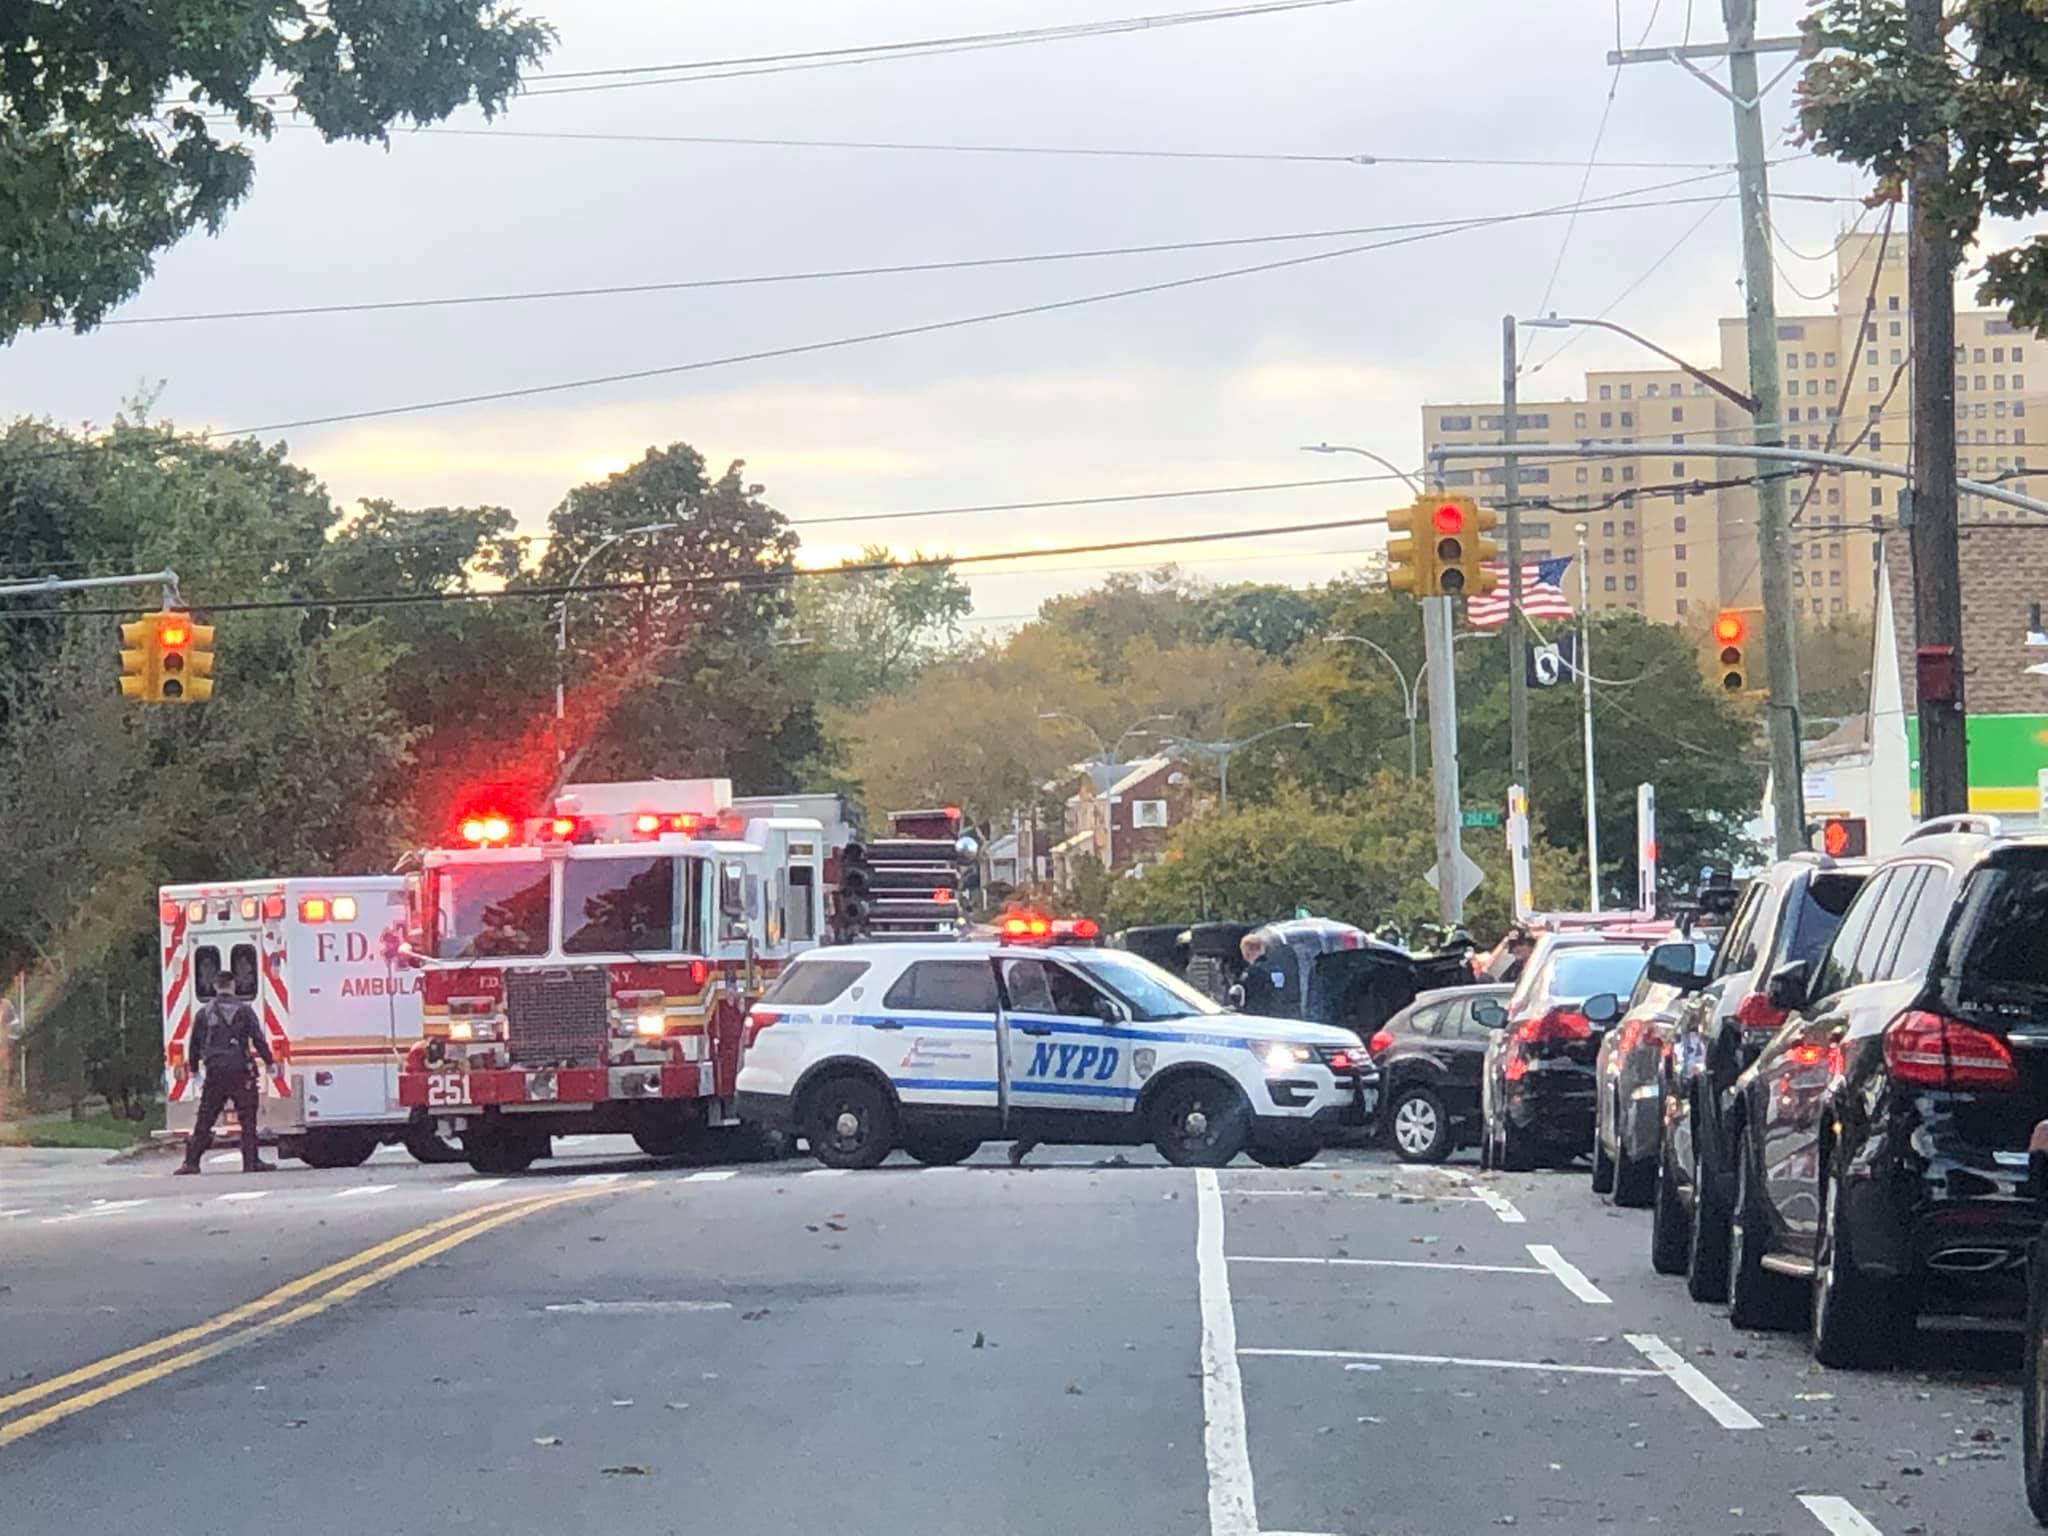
{"points": [[1555, 663]]}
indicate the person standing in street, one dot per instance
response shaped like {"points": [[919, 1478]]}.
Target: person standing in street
{"points": [[223, 1035]]}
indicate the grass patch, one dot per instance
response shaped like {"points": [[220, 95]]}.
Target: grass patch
{"points": [[95, 1130]]}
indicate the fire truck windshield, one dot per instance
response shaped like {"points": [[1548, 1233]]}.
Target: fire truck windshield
{"points": [[483, 910], [628, 906]]}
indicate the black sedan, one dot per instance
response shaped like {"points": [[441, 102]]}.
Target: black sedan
{"points": [[1429, 1055], [1537, 1090], [1629, 1125], [1880, 1140]]}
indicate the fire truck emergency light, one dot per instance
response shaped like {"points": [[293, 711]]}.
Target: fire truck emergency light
{"points": [[484, 830]]}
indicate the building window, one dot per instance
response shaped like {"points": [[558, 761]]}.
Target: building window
{"points": [[1628, 418], [1681, 607], [1798, 578], [1791, 361], [1891, 301], [1578, 418], [1980, 382], [1834, 549], [1628, 583], [1628, 557], [1871, 383], [1810, 360], [1678, 524], [1870, 331], [1678, 551], [1627, 390], [1678, 467], [1650, 391], [1876, 439], [1876, 496], [2016, 358], [1629, 500], [1581, 476], [1607, 529], [1607, 418], [1834, 605], [1607, 557], [1148, 813], [1899, 357], [1834, 494], [2019, 435], [1679, 579], [1793, 414], [1814, 549], [1607, 584], [1895, 328], [1606, 391], [1628, 528], [1870, 357], [1678, 413], [2019, 381], [1817, 602], [1607, 474], [1813, 386], [1701, 389], [1829, 360], [1813, 440], [1454, 423], [1978, 358], [1834, 578], [2000, 435], [1628, 472]]}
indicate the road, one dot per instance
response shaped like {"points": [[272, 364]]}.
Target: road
{"points": [[1351, 1347]]}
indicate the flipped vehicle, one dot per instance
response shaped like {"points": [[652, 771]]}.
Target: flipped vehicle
{"points": [[937, 1048], [1334, 973], [1629, 1122]]}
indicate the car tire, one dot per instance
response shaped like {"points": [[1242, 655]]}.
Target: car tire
{"points": [[2034, 1399], [1603, 1167], [1860, 1322], [1757, 1297], [1706, 1265], [850, 1122], [941, 1151], [1517, 1149], [1282, 1157], [1199, 1121], [1635, 1181], [492, 1148], [338, 1149], [1670, 1237], [1420, 1126]]}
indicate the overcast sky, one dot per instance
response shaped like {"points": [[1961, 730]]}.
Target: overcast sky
{"points": [[1210, 385]]}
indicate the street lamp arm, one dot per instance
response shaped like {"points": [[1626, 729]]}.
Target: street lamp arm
{"points": [[1727, 391], [1365, 453], [1409, 702]]}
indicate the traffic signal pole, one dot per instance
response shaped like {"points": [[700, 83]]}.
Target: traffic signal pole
{"points": [[1443, 757], [1518, 639]]}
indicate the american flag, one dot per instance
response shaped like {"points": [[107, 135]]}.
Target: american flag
{"points": [[1542, 593]]}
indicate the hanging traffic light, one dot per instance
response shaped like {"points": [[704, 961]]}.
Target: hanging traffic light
{"points": [[1405, 568], [1728, 648], [138, 660], [1450, 531], [166, 658], [1480, 551]]}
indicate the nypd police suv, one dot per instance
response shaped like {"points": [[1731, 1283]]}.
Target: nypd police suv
{"points": [[935, 1048]]}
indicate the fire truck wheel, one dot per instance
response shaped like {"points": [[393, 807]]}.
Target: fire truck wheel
{"points": [[492, 1148], [940, 1151], [338, 1149], [664, 1140], [851, 1123], [427, 1147]]}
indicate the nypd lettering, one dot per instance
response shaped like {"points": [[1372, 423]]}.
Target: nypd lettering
{"points": [[1073, 1062]]}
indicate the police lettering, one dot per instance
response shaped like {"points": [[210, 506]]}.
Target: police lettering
{"points": [[1073, 1061]]}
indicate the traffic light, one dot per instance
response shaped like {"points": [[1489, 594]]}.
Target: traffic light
{"points": [[855, 881], [166, 658], [1845, 837], [1450, 532], [1729, 650], [1405, 568], [1480, 550]]}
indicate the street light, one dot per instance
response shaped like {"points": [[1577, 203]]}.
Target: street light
{"points": [[562, 619], [1727, 391], [1104, 753], [1364, 453], [1409, 700], [1223, 751]]}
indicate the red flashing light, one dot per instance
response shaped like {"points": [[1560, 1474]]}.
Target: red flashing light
{"points": [[562, 826], [1015, 927], [700, 972], [647, 823], [953, 811], [1729, 628], [683, 821], [1086, 928], [942, 894], [167, 911], [1038, 927], [1808, 1053], [273, 907], [1448, 518]]}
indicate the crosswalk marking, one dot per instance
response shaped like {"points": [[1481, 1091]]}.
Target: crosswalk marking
{"points": [[702, 1176], [19, 1210], [596, 1178], [97, 1208], [243, 1194], [363, 1189]]}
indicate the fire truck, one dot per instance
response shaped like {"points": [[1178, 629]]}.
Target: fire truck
{"points": [[320, 963], [589, 970]]}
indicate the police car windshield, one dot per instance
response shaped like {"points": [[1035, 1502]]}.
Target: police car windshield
{"points": [[1150, 993]]}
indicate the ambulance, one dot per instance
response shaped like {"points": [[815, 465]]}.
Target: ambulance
{"points": [[318, 960]]}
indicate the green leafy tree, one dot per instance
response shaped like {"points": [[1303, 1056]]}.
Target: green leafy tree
{"points": [[1870, 99], [869, 631], [123, 126]]}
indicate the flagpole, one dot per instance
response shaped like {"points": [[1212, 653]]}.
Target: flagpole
{"points": [[1586, 679]]}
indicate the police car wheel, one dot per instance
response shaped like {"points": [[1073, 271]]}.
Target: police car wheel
{"points": [[939, 1152], [1199, 1122], [851, 1123]]}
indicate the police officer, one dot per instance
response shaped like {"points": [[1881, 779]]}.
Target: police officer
{"points": [[222, 1036], [1264, 988]]}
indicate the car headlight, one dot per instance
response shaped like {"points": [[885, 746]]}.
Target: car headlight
{"points": [[1281, 1057], [651, 1025], [461, 1029]]}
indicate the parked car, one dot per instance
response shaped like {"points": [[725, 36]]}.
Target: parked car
{"points": [[1536, 1082], [2034, 1396], [1880, 1141], [1628, 1121], [1789, 912], [1429, 1055]]}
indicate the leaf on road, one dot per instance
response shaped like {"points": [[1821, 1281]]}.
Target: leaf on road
{"points": [[755, 1316], [836, 1226], [1072, 1390], [547, 1439], [627, 1470], [979, 1341]]}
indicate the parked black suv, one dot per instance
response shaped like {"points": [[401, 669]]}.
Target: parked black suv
{"points": [[1789, 912], [1879, 1143]]}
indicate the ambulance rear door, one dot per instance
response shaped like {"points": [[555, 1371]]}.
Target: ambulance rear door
{"points": [[354, 1010]]}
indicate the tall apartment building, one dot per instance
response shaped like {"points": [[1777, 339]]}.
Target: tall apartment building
{"points": [[1675, 553]]}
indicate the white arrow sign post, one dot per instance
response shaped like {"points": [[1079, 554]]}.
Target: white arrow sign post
{"points": [[1468, 876]]}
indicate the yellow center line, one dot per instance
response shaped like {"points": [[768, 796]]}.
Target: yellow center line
{"points": [[469, 1224]]}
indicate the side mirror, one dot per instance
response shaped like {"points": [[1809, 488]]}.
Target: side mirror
{"points": [[408, 958], [1235, 996], [1672, 965], [1106, 1009], [1787, 987], [1490, 1014], [732, 890], [1601, 1008]]}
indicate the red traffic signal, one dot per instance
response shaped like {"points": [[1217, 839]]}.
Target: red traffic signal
{"points": [[1728, 628], [1449, 517], [1845, 837]]}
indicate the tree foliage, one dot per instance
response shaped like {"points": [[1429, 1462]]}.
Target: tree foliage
{"points": [[872, 631], [112, 140], [1871, 99]]}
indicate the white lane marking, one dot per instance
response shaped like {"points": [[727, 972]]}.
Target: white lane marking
{"points": [[821, 1173], [596, 1178], [636, 1308], [19, 1210], [242, 1194], [709, 1175], [97, 1208], [1455, 1175], [222, 1159], [1503, 1207], [1375, 1194], [1692, 1381], [472, 1186], [1569, 1274], [1233, 1510], [1479, 1269], [1478, 1360], [363, 1189], [1836, 1513]]}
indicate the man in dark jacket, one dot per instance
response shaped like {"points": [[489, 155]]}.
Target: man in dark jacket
{"points": [[222, 1036]]}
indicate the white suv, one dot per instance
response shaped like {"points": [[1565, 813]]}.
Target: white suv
{"points": [[935, 1048]]}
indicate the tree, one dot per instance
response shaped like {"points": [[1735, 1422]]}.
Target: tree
{"points": [[871, 631], [1871, 98], [108, 154], [1834, 671]]}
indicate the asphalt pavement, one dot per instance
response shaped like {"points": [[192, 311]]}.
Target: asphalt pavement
{"points": [[1094, 1343]]}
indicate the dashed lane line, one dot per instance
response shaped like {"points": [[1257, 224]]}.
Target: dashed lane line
{"points": [[589, 1179], [1226, 1447], [821, 1173], [97, 1208], [1569, 1274], [710, 1175], [241, 1195], [19, 1210], [1479, 1269], [1403, 1198], [1838, 1515], [1693, 1382], [474, 1186], [1487, 1362], [1503, 1207], [364, 1189]]}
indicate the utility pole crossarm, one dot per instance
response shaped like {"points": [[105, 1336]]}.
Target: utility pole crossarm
{"points": [[1620, 56]]}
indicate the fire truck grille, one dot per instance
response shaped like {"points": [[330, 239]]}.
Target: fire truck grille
{"points": [[556, 1016]]}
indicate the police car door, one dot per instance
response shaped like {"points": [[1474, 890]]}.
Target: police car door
{"points": [[1067, 1049], [936, 1037]]}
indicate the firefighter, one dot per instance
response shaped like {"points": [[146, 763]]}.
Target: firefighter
{"points": [[222, 1036]]}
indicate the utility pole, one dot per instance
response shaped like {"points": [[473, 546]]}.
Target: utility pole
{"points": [[1585, 665], [1781, 628], [1443, 757], [1937, 576], [1518, 640]]}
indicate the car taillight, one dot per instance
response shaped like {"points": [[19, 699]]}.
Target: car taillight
{"points": [[1555, 1026], [1379, 1042], [1808, 1053], [1931, 1051], [1756, 1012], [758, 1019]]}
